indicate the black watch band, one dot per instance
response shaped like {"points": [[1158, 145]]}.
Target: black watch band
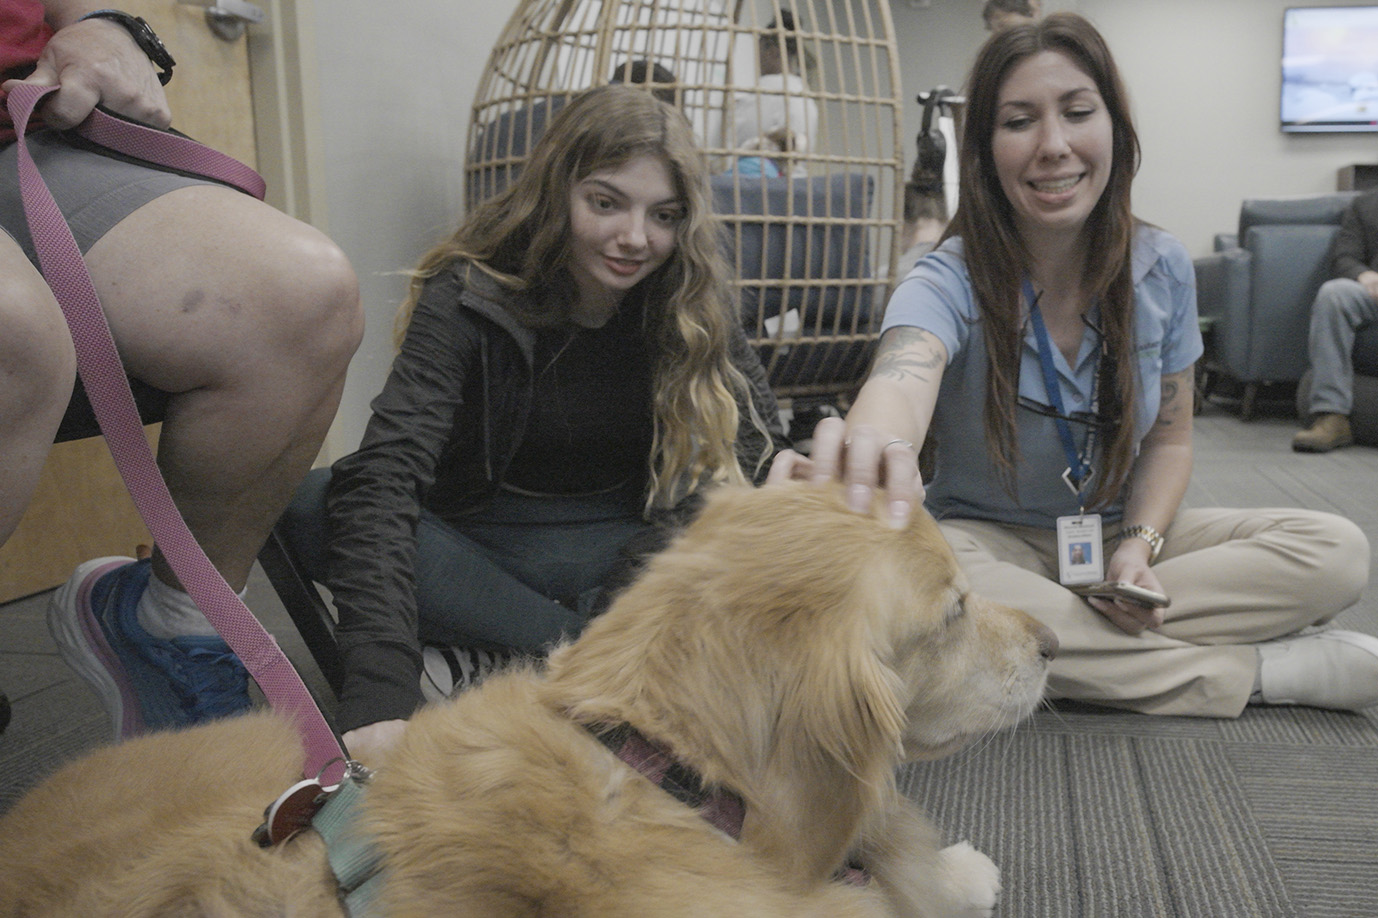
{"points": [[143, 36]]}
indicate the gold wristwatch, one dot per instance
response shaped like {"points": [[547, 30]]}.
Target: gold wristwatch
{"points": [[1153, 537]]}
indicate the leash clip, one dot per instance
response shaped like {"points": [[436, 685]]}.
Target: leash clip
{"points": [[294, 810]]}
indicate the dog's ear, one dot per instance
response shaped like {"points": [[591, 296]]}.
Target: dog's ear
{"points": [[846, 701]]}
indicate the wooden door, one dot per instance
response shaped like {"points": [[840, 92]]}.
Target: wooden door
{"points": [[81, 509]]}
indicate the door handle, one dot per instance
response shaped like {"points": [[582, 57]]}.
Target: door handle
{"points": [[228, 18]]}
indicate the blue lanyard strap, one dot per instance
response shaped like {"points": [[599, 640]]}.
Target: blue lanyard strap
{"points": [[1079, 470]]}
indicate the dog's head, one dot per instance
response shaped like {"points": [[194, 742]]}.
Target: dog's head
{"points": [[785, 625]]}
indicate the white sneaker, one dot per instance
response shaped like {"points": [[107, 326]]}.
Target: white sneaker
{"points": [[446, 671], [1328, 669]]}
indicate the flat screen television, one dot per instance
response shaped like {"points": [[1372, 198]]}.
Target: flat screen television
{"points": [[1330, 69]]}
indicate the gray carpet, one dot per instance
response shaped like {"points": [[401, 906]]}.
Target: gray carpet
{"points": [[1093, 813], [1090, 813]]}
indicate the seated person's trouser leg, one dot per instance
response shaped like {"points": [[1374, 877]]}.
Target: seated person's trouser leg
{"points": [[498, 584], [1236, 578], [1342, 306]]}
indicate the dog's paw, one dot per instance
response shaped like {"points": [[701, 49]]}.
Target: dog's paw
{"points": [[972, 880]]}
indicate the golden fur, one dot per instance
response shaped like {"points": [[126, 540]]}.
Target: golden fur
{"points": [[783, 647]]}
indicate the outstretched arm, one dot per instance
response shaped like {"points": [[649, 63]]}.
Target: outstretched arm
{"points": [[876, 447]]}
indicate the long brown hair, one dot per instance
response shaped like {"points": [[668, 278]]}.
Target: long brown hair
{"points": [[520, 238], [998, 260]]}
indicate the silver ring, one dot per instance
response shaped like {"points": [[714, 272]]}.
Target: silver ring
{"points": [[891, 443]]}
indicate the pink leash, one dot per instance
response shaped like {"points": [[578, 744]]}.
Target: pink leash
{"points": [[107, 387]]}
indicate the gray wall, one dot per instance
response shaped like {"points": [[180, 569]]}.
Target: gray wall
{"points": [[1203, 77], [397, 81]]}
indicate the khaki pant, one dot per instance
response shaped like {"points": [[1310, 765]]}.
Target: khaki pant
{"points": [[1236, 577]]}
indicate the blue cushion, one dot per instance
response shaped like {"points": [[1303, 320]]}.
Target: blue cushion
{"points": [[789, 237]]}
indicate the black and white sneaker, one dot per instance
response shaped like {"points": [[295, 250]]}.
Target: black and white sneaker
{"points": [[447, 671]]}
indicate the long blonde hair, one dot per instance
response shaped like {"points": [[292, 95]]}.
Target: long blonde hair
{"points": [[520, 238], [996, 257]]}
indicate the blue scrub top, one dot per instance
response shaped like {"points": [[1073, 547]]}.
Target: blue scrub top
{"points": [[937, 297]]}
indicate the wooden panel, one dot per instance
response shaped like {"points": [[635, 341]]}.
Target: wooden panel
{"points": [[209, 92], [81, 509]]}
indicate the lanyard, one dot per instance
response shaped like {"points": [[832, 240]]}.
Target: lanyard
{"points": [[1079, 471]]}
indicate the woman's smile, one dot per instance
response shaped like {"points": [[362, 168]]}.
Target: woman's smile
{"points": [[1052, 144]]}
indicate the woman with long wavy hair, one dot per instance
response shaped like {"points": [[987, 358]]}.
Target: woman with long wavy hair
{"points": [[571, 376], [1047, 351]]}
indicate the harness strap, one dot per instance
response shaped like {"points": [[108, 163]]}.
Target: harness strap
{"points": [[354, 858]]}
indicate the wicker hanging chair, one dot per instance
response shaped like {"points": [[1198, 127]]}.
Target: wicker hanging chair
{"points": [[808, 167]]}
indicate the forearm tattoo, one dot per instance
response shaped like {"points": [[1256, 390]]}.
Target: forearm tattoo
{"points": [[908, 353]]}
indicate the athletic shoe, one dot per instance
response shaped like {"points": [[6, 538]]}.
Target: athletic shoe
{"points": [[145, 683], [447, 671], [1326, 669]]}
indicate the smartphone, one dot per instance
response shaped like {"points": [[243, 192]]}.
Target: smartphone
{"points": [[1118, 589]]}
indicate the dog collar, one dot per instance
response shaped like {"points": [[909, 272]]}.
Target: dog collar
{"points": [[719, 807]]}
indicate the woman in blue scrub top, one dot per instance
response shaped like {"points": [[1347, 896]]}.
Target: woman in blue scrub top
{"points": [[1047, 347]]}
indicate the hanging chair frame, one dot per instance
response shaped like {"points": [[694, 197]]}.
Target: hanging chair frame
{"points": [[813, 249]]}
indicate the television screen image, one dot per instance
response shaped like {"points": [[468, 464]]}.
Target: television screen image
{"points": [[1330, 69]]}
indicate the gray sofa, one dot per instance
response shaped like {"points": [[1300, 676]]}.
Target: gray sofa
{"points": [[1255, 292]]}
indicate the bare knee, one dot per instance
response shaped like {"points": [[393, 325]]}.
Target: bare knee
{"points": [[322, 321], [37, 361]]}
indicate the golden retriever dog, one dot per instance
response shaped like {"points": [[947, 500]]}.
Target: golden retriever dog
{"points": [[783, 648]]}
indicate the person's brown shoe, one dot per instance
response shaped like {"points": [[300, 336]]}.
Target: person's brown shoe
{"points": [[1327, 432]]}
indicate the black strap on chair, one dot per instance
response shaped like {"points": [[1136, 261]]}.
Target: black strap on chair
{"points": [[80, 421]]}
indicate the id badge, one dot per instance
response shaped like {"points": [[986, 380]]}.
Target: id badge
{"points": [[1079, 549]]}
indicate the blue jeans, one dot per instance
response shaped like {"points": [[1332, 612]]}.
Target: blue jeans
{"points": [[521, 572]]}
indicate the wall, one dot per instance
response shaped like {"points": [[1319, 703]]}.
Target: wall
{"points": [[1203, 77], [1206, 103], [396, 83], [395, 95]]}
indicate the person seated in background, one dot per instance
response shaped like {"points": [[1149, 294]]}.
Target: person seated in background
{"points": [[1344, 305], [571, 378], [245, 316], [507, 137], [771, 162], [657, 77], [777, 115], [1002, 14], [1048, 345]]}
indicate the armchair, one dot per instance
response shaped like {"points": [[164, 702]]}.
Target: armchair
{"points": [[1257, 288]]}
